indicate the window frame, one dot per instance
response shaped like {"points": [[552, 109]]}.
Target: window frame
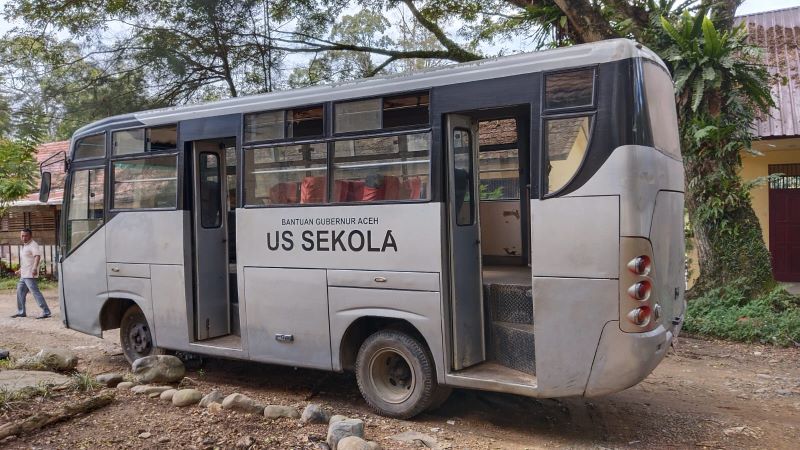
{"points": [[285, 138], [474, 202], [103, 133], [70, 182], [144, 150], [330, 143], [546, 114], [148, 155], [381, 128]]}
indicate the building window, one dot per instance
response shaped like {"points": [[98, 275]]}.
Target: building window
{"points": [[146, 183], [382, 168]]}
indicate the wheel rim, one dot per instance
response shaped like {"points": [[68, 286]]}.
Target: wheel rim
{"points": [[139, 338], [391, 375]]}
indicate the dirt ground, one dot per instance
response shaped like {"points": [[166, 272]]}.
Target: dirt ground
{"points": [[707, 394]]}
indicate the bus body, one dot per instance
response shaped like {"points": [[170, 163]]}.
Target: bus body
{"points": [[380, 226]]}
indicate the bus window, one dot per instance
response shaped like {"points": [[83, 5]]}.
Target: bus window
{"points": [[569, 89], [306, 122], [264, 126], [210, 193], [127, 141], [462, 172], [566, 141], [357, 116], [406, 110], [661, 109], [85, 205], [145, 183], [286, 175], [162, 138], [382, 168], [91, 147]]}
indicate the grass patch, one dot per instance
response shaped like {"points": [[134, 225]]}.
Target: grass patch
{"points": [[83, 382], [10, 284], [6, 363], [727, 313], [8, 399]]}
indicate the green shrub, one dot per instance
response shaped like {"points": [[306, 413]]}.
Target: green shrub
{"points": [[728, 313]]}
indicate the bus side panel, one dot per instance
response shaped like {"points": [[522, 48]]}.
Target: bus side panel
{"points": [[288, 316], [575, 243], [83, 275]]}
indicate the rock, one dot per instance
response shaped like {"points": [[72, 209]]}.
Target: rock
{"points": [[342, 429], [125, 386], [242, 403], [356, 443], [167, 395], [415, 438], [214, 396], [314, 414], [245, 442], [4, 354], [145, 435], [163, 439], [57, 360], [109, 379], [187, 382], [148, 389], [337, 418], [276, 411], [155, 394], [158, 369], [215, 408], [13, 380], [186, 397]]}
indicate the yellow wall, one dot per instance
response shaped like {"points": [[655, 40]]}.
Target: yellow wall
{"points": [[777, 151]]}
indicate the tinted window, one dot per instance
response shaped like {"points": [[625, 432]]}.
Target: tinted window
{"points": [[661, 109], [382, 168], [566, 141], [127, 141], [85, 205], [91, 147], [569, 89], [210, 191], [405, 110], [286, 175], [358, 116], [145, 183], [162, 138], [306, 122], [463, 176]]}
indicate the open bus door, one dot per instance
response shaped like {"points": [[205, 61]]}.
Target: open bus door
{"points": [[466, 286]]}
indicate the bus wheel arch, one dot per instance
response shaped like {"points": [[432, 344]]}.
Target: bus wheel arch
{"points": [[362, 328], [112, 311], [135, 333]]}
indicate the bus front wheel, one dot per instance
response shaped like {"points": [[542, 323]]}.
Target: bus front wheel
{"points": [[395, 374], [135, 337]]}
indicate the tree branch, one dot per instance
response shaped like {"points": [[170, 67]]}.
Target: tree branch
{"points": [[459, 54]]}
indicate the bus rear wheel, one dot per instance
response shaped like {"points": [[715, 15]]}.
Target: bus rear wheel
{"points": [[395, 374], [135, 337]]}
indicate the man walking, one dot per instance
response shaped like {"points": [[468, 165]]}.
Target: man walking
{"points": [[28, 272]]}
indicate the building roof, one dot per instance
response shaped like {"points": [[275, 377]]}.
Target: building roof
{"points": [[778, 33]]}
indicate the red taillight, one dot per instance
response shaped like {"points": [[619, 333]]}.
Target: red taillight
{"points": [[640, 316], [640, 290], [640, 265]]}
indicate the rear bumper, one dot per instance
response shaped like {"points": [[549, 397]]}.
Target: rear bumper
{"points": [[624, 359]]}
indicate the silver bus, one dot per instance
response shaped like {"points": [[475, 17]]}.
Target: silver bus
{"points": [[513, 224]]}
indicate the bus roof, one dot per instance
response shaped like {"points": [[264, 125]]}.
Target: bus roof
{"points": [[498, 67]]}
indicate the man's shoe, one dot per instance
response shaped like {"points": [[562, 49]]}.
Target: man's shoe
{"points": [[17, 315], [43, 316]]}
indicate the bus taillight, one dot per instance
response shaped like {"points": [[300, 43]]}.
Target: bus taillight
{"points": [[640, 290], [640, 265], [640, 316]]}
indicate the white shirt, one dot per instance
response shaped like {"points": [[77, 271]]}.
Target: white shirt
{"points": [[27, 260]]}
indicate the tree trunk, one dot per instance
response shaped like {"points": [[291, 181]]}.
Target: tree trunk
{"points": [[42, 419]]}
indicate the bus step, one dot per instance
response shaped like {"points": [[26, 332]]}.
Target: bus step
{"points": [[512, 345], [510, 303]]}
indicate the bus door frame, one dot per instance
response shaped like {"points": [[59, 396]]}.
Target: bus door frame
{"points": [[466, 283], [210, 269]]}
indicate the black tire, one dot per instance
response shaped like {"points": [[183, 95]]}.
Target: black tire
{"points": [[441, 396], [395, 374], [135, 337]]}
